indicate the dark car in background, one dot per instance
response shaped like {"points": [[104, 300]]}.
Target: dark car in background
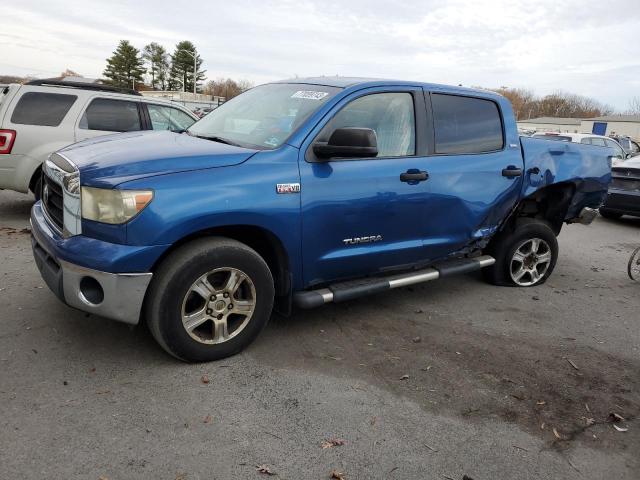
{"points": [[624, 191], [630, 146]]}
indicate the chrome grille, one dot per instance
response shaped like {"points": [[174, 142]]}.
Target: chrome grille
{"points": [[61, 195], [53, 201]]}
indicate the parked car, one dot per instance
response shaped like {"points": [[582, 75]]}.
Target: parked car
{"points": [[305, 192], [624, 191], [619, 154], [42, 116], [630, 146]]}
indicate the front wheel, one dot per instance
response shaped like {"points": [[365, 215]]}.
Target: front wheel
{"points": [[525, 256], [209, 299]]}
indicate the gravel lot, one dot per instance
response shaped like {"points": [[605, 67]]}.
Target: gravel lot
{"points": [[491, 373]]}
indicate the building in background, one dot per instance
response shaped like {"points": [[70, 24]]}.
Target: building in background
{"points": [[199, 103], [550, 124], [624, 125]]}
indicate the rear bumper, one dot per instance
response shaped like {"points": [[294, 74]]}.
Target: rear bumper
{"points": [[118, 296], [623, 201], [16, 172]]}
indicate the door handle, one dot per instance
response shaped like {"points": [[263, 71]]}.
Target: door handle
{"points": [[511, 171], [414, 176]]}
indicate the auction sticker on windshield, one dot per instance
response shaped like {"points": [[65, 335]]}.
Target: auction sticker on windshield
{"points": [[309, 95]]}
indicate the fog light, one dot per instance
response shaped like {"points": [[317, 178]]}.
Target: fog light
{"points": [[91, 291]]}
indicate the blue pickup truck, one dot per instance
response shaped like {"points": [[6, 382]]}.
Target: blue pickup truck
{"points": [[301, 193]]}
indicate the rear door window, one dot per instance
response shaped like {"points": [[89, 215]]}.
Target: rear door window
{"points": [[168, 118], [111, 116], [586, 141], [43, 109], [598, 141], [466, 124]]}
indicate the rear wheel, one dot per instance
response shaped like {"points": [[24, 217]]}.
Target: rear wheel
{"points": [[610, 214], [209, 299], [525, 257]]}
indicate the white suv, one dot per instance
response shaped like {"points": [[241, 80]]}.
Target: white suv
{"points": [[619, 153], [42, 116]]}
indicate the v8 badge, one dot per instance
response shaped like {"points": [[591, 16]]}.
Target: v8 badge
{"points": [[288, 188]]}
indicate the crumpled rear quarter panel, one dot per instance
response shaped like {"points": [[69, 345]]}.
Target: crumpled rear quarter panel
{"points": [[587, 167]]}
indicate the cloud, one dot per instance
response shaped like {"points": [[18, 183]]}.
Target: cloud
{"points": [[584, 46]]}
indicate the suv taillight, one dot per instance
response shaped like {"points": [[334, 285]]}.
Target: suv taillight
{"points": [[7, 137]]}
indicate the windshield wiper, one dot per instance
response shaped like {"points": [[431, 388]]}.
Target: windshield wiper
{"points": [[214, 138]]}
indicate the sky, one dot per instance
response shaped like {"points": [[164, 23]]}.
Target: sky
{"points": [[588, 47]]}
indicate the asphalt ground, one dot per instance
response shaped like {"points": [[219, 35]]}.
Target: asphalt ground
{"points": [[450, 378]]}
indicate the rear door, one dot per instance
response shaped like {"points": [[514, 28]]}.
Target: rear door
{"points": [[104, 115], [475, 170]]}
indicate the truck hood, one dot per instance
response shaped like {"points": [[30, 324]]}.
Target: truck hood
{"points": [[109, 160]]}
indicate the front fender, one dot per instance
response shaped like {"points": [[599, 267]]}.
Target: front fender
{"points": [[240, 195]]}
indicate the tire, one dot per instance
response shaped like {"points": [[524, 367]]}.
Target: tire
{"points": [[37, 188], [610, 214], [523, 240], [175, 301], [633, 267]]}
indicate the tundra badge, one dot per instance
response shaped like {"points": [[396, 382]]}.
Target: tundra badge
{"points": [[358, 240]]}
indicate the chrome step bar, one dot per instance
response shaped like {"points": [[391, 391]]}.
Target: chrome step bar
{"points": [[341, 292]]}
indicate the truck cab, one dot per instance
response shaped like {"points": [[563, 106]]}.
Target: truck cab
{"points": [[302, 193]]}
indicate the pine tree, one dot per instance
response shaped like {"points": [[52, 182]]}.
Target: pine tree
{"points": [[158, 60], [181, 77], [125, 66]]}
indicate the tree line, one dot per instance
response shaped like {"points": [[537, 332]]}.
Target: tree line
{"points": [[128, 66], [526, 104]]}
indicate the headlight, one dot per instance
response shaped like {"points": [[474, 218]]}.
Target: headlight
{"points": [[113, 206]]}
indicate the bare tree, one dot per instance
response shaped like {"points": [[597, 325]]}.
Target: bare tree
{"points": [[634, 106], [226, 87], [69, 73], [557, 104]]}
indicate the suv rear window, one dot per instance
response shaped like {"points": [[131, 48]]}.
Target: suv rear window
{"points": [[44, 109], [111, 116], [466, 124]]}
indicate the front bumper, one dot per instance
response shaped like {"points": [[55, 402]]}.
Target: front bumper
{"points": [[118, 296]]}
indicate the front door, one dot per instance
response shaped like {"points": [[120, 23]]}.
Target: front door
{"points": [[358, 216]]}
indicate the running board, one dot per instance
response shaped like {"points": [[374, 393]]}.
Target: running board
{"points": [[341, 292]]}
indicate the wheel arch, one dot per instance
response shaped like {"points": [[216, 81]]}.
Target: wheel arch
{"points": [[35, 176], [550, 204], [260, 239]]}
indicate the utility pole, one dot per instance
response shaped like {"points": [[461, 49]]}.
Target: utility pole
{"points": [[195, 70]]}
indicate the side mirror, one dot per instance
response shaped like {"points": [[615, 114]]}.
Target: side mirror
{"points": [[349, 142]]}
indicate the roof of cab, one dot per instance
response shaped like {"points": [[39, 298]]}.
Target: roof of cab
{"points": [[347, 82]]}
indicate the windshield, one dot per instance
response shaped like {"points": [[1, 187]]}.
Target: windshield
{"points": [[263, 117]]}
